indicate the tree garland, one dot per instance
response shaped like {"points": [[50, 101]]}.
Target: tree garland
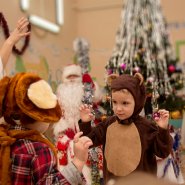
{"points": [[6, 31]]}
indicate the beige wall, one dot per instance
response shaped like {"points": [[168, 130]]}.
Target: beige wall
{"points": [[95, 20], [55, 48], [99, 20]]}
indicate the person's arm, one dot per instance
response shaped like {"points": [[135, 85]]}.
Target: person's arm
{"points": [[164, 142], [19, 32], [72, 172]]}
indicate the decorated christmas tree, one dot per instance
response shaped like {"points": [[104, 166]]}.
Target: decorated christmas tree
{"points": [[143, 45]]}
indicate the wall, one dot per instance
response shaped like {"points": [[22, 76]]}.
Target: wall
{"points": [[98, 21], [48, 52], [95, 20]]}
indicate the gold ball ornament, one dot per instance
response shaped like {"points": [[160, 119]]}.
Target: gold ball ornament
{"points": [[176, 114], [104, 117]]}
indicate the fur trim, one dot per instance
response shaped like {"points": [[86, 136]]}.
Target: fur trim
{"points": [[3, 89], [11, 109], [27, 107], [39, 92], [72, 69], [17, 105], [60, 126]]}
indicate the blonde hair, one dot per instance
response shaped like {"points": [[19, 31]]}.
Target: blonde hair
{"points": [[126, 91]]}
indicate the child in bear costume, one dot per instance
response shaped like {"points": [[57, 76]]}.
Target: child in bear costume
{"points": [[130, 142], [29, 106]]}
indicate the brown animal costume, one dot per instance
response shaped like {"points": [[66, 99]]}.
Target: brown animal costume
{"points": [[18, 105], [132, 144]]}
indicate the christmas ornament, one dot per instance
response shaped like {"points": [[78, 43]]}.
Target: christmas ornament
{"points": [[171, 68], [136, 69], [156, 115], [176, 114], [150, 79], [123, 66], [109, 71]]}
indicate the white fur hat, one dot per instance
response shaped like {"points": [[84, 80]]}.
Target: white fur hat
{"points": [[71, 69]]}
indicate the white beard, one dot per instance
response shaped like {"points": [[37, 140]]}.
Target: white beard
{"points": [[70, 96]]}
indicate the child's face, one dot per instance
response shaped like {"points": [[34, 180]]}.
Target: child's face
{"points": [[123, 104]]}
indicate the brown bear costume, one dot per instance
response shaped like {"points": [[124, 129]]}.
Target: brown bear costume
{"points": [[132, 144]]}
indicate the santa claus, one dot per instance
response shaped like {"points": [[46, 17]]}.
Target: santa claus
{"points": [[70, 94]]}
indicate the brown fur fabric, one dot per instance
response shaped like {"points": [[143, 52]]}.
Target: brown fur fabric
{"points": [[15, 104], [11, 109], [3, 89], [30, 109]]}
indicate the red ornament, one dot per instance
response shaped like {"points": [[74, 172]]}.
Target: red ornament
{"points": [[123, 66], [171, 68], [87, 79], [109, 71], [156, 115]]}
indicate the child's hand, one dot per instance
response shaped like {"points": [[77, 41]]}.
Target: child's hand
{"points": [[86, 113], [81, 147], [20, 31], [163, 119]]}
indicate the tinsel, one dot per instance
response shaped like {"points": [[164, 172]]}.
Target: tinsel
{"points": [[6, 31], [95, 175], [142, 45], [81, 48], [93, 154]]}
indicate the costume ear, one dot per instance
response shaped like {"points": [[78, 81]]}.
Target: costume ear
{"points": [[40, 93], [140, 77], [110, 78]]}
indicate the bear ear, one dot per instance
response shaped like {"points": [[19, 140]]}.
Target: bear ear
{"points": [[110, 78], [140, 77]]}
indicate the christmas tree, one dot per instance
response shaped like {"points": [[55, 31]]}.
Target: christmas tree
{"points": [[142, 45]]}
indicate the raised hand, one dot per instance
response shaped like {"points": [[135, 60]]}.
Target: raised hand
{"points": [[20, 31], [163, 119], [86, 113], [81, 146]]}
